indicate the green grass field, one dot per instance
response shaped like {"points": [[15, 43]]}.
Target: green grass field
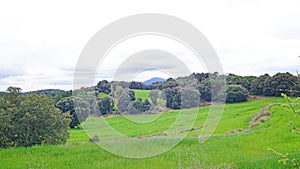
{"points": [[103, 95], [144, 94], [245, 149]]}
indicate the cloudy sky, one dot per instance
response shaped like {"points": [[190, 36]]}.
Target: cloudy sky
{"points": [[40, 41]]}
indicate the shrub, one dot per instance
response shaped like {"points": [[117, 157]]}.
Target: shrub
{"points": [[27, 120], [236, 93], [94, 139], [139, 106]]}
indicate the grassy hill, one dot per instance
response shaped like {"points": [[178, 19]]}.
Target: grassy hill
{"points": [[247, 148]]}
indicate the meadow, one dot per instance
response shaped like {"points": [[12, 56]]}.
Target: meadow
{"points": [[141, 93], [233, 144]]}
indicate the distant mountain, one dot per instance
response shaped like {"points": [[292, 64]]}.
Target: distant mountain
{"points": [[49, 92], [153, 80]]}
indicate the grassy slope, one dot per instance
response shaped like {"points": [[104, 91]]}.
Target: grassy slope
{"points": [[247, 149], [144, 94], [103, 95]]}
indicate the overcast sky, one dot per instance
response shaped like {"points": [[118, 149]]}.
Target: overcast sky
{"points": [[40, 41]]}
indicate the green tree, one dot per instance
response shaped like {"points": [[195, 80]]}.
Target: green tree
{"points": [[105, 105], [190, 97], [78, 108], [153, 95], [205, 91], [209, 85], [173, 98], [104, 87], [139, 106], [146, 105], [259, 84], [135, 106], [284, 83], [126, 97], [169, 83], [27, 120], [244, 81], [12, 89], [273, 86], [236, 93]]}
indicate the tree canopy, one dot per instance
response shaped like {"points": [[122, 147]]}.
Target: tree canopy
{"points": [[78, 108], [30, 119]]}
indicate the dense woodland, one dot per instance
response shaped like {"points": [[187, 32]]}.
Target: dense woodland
{"points": [[29, 118]]}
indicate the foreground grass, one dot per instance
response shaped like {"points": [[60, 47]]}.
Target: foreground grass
{"points": [[246, 149]]}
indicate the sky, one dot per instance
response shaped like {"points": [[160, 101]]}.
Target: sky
{"points": [[41, 41]]}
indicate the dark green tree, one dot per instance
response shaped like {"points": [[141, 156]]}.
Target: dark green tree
{"points": [[273, 86], [146, 105], [209, 85], [139, 106], [104, 87], [205, 91], [27, 120], [126, 97], [169, 83], [236, 93], [138, 85], [284, 83], [190, 97], [259, 84], [105, 105], [78, 108], [173, 98], [135, 106], [12, 89], [244, 81], [153, 95], [176, 101]]}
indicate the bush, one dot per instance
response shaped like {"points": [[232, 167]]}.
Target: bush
{"points": [[139, 106], [236, 93], [94, 139], [27, 120]]}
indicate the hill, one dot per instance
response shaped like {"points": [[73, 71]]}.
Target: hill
{"points": [[153, 80], [49, 92]]}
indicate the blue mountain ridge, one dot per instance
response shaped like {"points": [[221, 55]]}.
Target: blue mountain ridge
{"points": [[153, 80]]}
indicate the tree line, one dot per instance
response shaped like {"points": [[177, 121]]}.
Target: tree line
{"points": [[44, 117], [229, 88]]}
